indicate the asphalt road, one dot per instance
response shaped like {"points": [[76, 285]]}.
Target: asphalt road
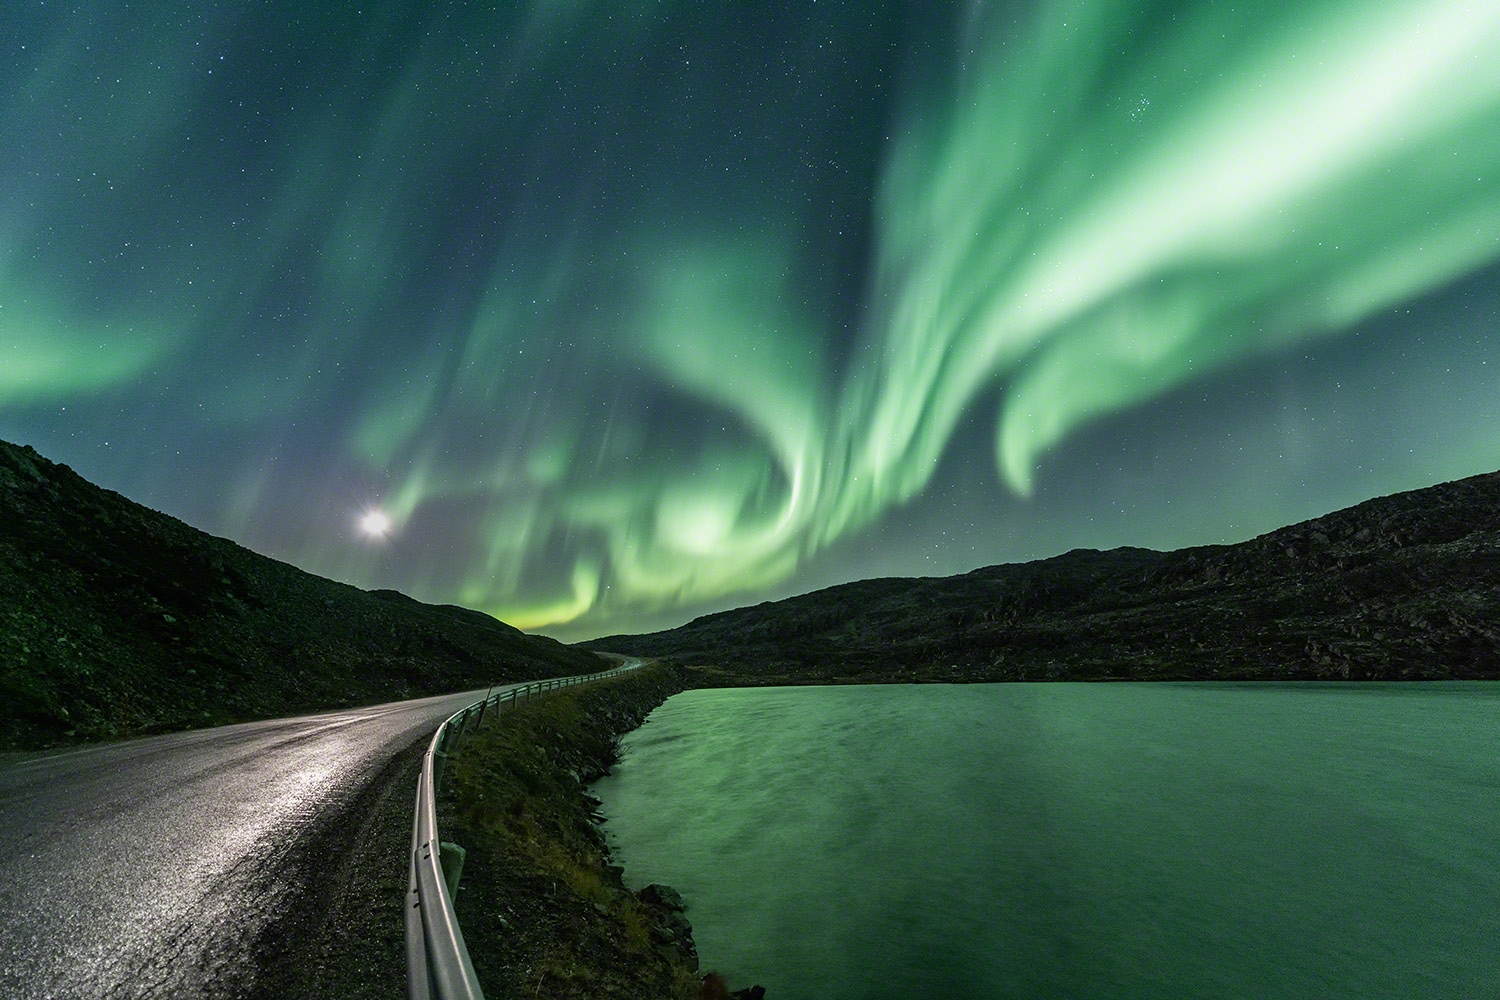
{"points": [[174, 866]]}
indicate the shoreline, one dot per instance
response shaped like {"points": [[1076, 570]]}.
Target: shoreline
{"points": [[544, 909]]}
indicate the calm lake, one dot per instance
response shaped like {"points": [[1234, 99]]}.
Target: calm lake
{"points": [[1077, 840]]}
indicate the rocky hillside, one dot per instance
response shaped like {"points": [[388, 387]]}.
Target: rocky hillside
{"points": [[116, 620], [1400, 587]]}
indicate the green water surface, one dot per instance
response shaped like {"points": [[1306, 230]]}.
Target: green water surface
{"points": [[1077, 840]]}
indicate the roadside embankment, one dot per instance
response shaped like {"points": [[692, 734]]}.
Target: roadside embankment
{"points": [[544, 912]]}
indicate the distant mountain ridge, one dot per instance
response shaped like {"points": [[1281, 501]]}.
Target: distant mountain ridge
{"points": [[1399, 587], [117, 620]]}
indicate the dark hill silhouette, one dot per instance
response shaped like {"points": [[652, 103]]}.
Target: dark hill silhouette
{"points": [[117, 620], [1400, 587]]}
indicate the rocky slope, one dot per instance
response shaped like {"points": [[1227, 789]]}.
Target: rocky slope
{"points": [[116, 620], [1400, 587]]}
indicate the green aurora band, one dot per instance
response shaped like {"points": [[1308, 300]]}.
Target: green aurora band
{"points": [[648, 399]]}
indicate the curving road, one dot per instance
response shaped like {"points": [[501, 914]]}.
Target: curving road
{"points": [[184, 865]]}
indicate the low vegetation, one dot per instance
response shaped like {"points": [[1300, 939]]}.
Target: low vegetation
{"points": [[544, 912]]}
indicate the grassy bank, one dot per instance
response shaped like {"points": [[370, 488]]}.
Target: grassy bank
{"points": [[544, 912]]}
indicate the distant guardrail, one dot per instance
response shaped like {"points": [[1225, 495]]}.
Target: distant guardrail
{"points": [[437, 961]]}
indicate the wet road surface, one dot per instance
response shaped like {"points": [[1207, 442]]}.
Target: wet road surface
{"points": [[159, 867]]}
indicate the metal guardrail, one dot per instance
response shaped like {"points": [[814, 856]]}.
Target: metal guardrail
{"points": [[437, 961]]}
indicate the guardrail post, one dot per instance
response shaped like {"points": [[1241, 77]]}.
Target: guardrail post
{"points": [[451, 857]]}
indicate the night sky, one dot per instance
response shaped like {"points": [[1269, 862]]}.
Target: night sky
{"points": [[625, 312]]}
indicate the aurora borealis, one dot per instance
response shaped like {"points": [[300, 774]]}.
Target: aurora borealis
{"points": [[621, 313]]}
